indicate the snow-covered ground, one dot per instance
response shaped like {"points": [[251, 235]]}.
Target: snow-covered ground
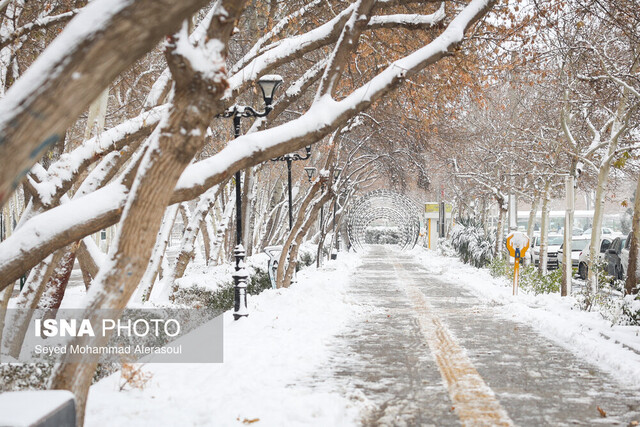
{"points": [[613, 348], [266, 358], [272, 356]]}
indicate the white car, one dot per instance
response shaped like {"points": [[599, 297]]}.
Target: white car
{"points": [[554, 242], [605, 231], [583, 258], [578, 243]]}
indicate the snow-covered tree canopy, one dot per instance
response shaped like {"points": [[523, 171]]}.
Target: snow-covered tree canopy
{"points": [[156, 77]]}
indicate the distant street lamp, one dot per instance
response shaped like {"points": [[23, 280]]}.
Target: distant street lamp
{"points": [[289, 158], [268, 84], [310, 171]]}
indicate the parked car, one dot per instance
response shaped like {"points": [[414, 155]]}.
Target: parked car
{"points": [[614, 258], [624, 257], [578, 243], [605, 230], [554, 242], [583, 258], [576, 231]]}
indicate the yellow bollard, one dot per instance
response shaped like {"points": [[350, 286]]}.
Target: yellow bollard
{"points": [[517, 245], [516, 275]]}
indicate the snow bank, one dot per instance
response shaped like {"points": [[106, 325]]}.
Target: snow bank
{"points": [[615, 349], [267, 358]]}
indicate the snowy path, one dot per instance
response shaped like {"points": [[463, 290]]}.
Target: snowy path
{"points": [[487, 370], [384, 338], [267, 358]]}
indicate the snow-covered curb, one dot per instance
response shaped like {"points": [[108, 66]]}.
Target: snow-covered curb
{"points": [[615, 349], [267, 358]]}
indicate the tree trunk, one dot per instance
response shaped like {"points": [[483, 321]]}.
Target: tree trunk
{"points": [[159, 250], [322, 237], [544, 229], [280, 276], [309, 218], [27, 301], [631, 284], [498, 250], [197, 99], [5, 295], [57, 285], [531, 222], [206, 239], [224, 228], [192, 228], [567, 271], [87, 255], [596, 231], [619, 124]]}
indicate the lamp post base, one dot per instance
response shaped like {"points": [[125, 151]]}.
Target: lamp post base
{"points": [[240, 277]]}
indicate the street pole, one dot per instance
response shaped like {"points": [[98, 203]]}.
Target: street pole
{"points": [[289, 161], [268, 84], [290, 158], [320, 250], [568, 235], [240, 274], [335, 236]]}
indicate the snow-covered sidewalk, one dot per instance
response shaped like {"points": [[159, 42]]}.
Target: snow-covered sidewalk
{"points": [[613, 348], [266, 358], [305, 355]]}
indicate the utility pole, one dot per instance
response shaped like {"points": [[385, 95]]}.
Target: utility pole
{"points": [[568, 234]]}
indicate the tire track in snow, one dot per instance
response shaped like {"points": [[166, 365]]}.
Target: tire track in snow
{"points": [[474, 402]]}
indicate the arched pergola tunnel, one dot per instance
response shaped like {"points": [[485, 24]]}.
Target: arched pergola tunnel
{"points": [[391, 207]]}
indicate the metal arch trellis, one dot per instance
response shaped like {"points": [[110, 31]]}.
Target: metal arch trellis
{"points": [[394, 215], [384, 204]]}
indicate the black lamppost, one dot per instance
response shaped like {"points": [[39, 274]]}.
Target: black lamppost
{"points": [[289, 158], [268, 84]]}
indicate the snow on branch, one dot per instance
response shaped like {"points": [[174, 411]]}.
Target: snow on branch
{"points": [[78, 218], [324, 115], [41, 235], [258, 47], [62, 173], [38, 24], [412, 21], [73, 70]]}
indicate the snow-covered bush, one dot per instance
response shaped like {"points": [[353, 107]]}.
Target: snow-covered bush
{"points": [[307, 254], [612, 307], [498, 267], [446, 248], [382, 236], [24, 376], [472, 244], [530, 279], [630, 310], [221, 298]]}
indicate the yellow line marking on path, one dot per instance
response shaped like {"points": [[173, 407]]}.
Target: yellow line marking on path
{"points": [[473, 400]]}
